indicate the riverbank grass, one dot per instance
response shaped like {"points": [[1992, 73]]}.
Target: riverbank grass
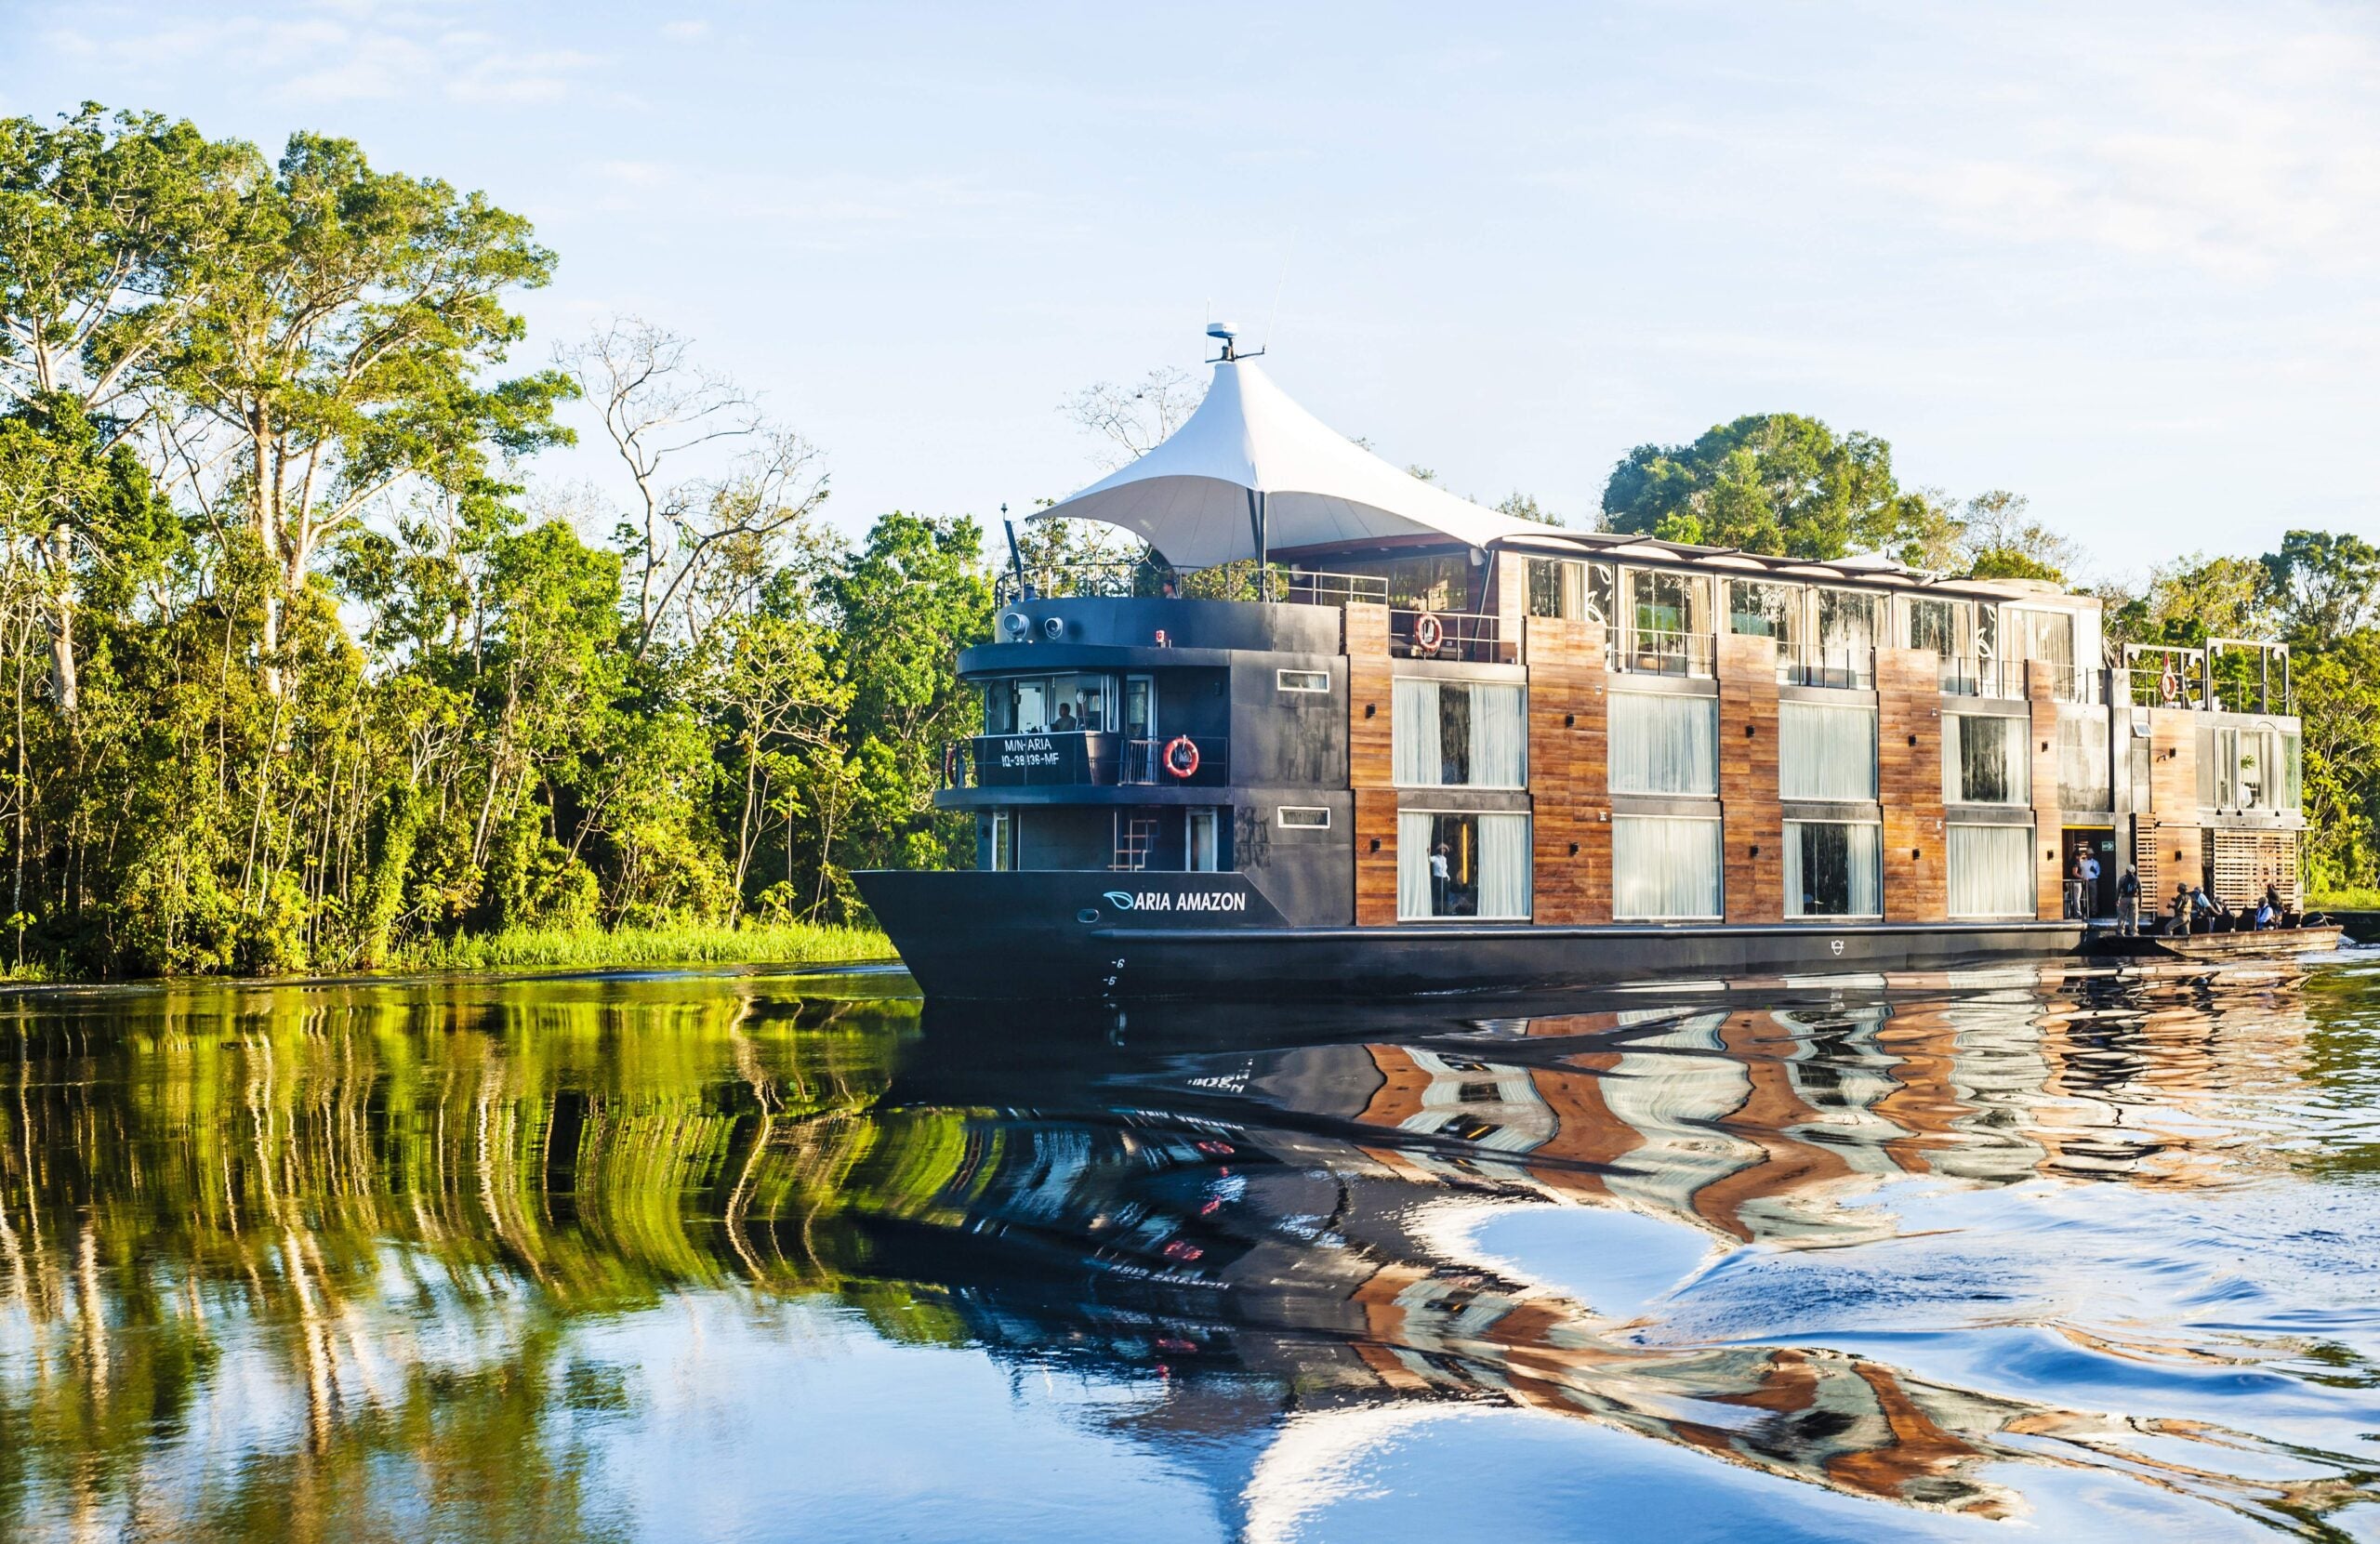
{"points": [[596, 948], [2344, 900]]}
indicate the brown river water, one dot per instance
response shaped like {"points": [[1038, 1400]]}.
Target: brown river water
{"points": [[751, 1256]]}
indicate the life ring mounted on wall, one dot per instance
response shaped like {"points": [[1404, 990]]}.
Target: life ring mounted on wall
{"points": [[1181, 755], [1429, 633], [2169, 685]]}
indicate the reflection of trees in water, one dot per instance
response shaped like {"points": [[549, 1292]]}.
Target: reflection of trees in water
{"points": [[373, 1213], [379, 1209]]}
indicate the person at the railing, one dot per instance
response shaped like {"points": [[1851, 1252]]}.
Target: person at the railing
{"points": [[2074, 878], [2128, 902], [2179, 921], [1068, 723], [1169, 590]]}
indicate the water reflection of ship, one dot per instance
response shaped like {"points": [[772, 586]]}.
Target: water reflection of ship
{"points": [[1281, 1244]]}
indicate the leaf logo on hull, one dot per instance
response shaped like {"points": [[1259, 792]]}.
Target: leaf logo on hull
{"points": [[1121, 899]]}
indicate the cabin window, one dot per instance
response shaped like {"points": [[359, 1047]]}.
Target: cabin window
{"points": [[1825, 751], [1766, 610], [2244, 767], [1832, 868], [1985, 759], [1000, 844], [1847, 628], [1202, 842], [1990, 870], [1140, 708], [2293, 769], [1303, 817], [2083, 759], [1458, 734], [1664, 743], [1302, 680], [1438, 582], [1668, 613], [2047, 636], [1463, 866], [1945, 626], [1572, 591], [1048, 704], [1664, 868]]}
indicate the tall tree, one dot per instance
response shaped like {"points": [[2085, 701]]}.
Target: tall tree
{"points": [[340, 343], [1776, 483]]}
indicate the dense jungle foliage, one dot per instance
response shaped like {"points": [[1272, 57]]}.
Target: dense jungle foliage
{"points": [[295, 671]]}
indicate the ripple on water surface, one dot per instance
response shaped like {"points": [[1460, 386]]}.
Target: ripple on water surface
{"points": [[727, 1255]]}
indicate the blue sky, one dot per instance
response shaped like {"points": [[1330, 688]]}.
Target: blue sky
{"points": [[2125, 260]]}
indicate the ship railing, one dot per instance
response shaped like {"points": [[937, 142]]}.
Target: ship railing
{"points": [[1157, 762], [1659, 652], [1818, 665], [1970, 676], [1469, 637], [1145, 579]]}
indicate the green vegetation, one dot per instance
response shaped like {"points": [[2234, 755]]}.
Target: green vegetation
{"points": [[686, 943], [2367, 899], [300, 673]]}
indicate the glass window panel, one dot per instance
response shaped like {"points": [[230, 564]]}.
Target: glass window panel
{"points": [[1825, 751], [1846, 623], [1984, 760], [1664, 868], [1663, 742], [2082, 762], [1766, 610], [1831, 869], [1941, 625], [2293, 769], [1463, 866], [1459, 734], [1990, 870]]}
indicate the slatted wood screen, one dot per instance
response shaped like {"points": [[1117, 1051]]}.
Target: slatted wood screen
{"points": [[2049, 874], [2247, 860]]}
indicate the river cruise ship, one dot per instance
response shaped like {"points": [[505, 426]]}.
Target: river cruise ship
{"points": [[1345, 733]]}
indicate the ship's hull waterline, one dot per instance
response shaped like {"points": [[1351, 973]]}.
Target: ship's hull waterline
{"points": [[1138, 937]]}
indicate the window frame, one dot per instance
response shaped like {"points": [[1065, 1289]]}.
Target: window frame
{"points": [[1282, 677], [1281, 814], [1719, 869]]}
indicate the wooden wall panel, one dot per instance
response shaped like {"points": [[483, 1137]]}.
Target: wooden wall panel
{"points": [[1909, 779], [1752, 826], [1375, 857], [1371, 697], [1571, 810], [2049, 875], [2173, 797], [1509, 603], [2246, 861]]}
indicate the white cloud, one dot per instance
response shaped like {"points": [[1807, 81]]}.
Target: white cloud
{"points": [[686, 31]]}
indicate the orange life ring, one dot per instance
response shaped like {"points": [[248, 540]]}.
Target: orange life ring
{"points": [[1428, 633], [1181, 755], [2169, 685]]}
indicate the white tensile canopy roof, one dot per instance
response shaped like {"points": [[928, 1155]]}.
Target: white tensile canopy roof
{"points": [[1195, 497]]}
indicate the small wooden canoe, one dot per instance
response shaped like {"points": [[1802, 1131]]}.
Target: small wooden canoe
{"points": [[2268, 944]]}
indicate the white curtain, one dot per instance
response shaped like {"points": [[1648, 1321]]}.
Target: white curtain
{"points": [[1662, 743], [1992, 870], [1416, 754], [1412, 864], [1498, 736], [1831, 869], [1503, 866], [1664, 867], [1824, 751]]}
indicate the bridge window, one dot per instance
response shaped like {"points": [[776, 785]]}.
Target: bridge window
{"points": [[1047, 705], [1302, 680]]}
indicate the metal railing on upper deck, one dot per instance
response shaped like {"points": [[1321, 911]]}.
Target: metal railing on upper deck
{"points": [[1660, 652], [1816, 664], [1452, 635], [1282, 584], [2228, 674]]}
